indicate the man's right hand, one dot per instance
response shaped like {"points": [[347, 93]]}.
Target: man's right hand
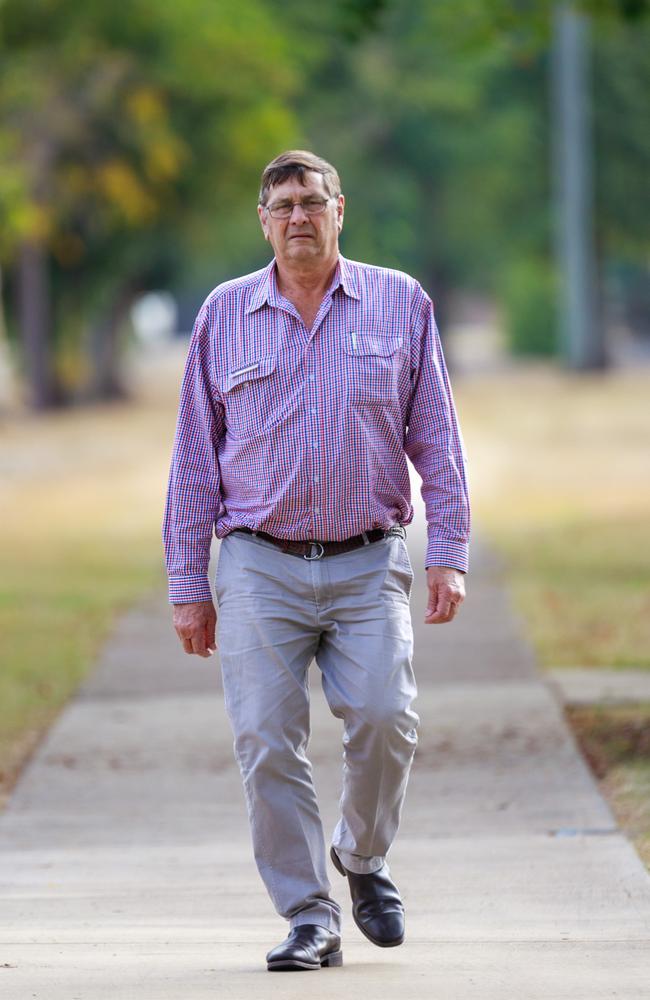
{"points": [[195, 626]]}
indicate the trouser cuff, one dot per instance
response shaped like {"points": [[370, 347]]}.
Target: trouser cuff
{"points": [[358, 864], [330, 921]]}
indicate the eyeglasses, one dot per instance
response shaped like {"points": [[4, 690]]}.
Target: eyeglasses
{"points": [[283, 209]]}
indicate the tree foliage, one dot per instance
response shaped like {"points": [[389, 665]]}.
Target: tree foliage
{"points": [[131, 142], [441, 120], [125, 137]]}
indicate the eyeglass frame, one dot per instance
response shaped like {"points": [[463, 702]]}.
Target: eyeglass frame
{"points": [[267, 207]]}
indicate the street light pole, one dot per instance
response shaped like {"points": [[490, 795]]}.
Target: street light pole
{"points": [[581, 326]]}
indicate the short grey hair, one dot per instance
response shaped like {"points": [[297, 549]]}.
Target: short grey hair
{"points": [[295, 163]]}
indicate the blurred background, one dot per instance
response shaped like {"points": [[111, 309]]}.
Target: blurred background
{"points": [[498, 150]]}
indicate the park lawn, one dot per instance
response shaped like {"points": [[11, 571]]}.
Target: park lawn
{"points": [[560, 481], [82, 494]]}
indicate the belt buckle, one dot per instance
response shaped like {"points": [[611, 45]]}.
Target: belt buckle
{"points": [[315, 555]]}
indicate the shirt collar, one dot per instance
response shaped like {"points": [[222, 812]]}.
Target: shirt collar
{"points": [[347, 278], [266, 289], [260, 293]]}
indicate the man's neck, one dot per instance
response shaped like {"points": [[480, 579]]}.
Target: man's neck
{"points": [[305, 282]]}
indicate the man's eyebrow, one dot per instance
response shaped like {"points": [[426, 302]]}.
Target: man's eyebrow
{"points": [[305, 197]]}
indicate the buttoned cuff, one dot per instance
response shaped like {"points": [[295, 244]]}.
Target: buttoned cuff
{"points": [[188, 589], [452, 554]]}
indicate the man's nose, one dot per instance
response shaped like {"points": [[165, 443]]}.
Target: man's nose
{"points": [[302, 215]]}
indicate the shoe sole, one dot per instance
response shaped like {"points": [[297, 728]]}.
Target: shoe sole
{"points": [[335, 958], [338, 864]]}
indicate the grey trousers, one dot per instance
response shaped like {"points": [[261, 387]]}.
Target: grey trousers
{"points": [[277, 612]]}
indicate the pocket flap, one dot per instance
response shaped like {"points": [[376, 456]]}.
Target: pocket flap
{"points": [[250, 370], [369, 342]]}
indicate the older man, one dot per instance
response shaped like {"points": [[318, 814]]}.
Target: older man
{"points": [[307, 385]]}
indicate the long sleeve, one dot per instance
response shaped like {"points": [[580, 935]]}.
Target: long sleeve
{"points": [[193, 495], [434, 444]]}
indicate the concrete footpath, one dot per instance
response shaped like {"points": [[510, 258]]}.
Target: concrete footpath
{"points": [[126, 866]]}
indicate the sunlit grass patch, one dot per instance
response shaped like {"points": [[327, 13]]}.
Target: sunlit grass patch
{"points": [[584, 589], [560, 482]]}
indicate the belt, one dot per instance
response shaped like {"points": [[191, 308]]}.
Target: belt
{"points": [[316, 549]]}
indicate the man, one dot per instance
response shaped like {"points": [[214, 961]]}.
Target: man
{"points": [[306, 386]]}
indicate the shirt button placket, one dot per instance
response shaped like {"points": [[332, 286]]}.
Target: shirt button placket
{"points": [[315, 448]]}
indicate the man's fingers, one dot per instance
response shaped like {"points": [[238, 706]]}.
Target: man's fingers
{"points": [[443, 610], [210, 637], [202, 645], [441, 613], [442, 605], [195, 625], [194, 641], [432, 602]]}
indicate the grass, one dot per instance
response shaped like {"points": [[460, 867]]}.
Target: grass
{"points": [[616, 742], [81, 494], [560, 482]]}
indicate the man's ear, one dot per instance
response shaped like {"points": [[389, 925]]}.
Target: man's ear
{"points": [[260, 214], [340, 212]]}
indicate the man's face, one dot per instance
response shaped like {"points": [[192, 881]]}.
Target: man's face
{"points": [[303, 237]]}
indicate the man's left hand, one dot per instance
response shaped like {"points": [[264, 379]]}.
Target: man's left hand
{"points": [[446, 594]]}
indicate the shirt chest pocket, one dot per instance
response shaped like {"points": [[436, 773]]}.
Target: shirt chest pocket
{"points": [[251, 397], [373, 366]]}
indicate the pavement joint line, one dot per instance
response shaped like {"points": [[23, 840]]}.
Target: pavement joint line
{"points": [[584, 832], [412, 938]]}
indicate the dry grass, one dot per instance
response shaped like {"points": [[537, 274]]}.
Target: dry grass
{"points": [[616, 742], [560, 480]]}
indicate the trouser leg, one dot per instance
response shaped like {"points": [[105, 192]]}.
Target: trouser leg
{"points": [[366, 661], [267, 640]]}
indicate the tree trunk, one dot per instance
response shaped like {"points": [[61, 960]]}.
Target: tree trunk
{"points": [[35, 318], [8, 382], [105, 349]]}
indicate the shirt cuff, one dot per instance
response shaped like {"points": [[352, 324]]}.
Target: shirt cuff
{"points": [[188, 589], [452, 554]]}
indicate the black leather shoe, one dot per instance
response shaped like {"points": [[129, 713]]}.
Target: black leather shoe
{"points": [[376, 904], [309, 946]]}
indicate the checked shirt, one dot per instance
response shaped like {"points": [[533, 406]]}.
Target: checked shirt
{"points": [[305, 434]]}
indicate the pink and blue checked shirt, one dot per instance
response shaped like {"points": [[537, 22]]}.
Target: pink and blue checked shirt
{"points": [[304, 433]]}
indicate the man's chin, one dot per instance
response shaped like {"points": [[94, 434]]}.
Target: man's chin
{"points": [[302, 246]]}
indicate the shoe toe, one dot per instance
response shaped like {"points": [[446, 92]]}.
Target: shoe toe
{"points": [[386, 929]]}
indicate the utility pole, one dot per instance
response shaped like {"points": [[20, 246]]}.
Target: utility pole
{"points": [[581, 326]]}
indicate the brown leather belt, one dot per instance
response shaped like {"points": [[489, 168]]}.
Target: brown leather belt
{"points": [[316, 549]]}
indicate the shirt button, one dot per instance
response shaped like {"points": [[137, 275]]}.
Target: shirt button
{"points": [[317, 479], [316, 510], [314, 410]]}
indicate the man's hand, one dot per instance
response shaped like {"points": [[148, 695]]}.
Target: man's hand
{"points": [[446, 594], [195, 626]]}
